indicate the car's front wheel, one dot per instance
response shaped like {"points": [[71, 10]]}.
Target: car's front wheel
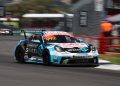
{"points": [[19, 54], [96, 61]]}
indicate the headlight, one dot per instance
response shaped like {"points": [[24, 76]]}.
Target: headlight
{"points": [[59, 49], [93, 48]]}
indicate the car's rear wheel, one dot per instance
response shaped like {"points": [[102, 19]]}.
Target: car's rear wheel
{"points": [[46, 58], [19, 54]]}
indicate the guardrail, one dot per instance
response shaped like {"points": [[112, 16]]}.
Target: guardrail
{"points": [[109, 44]]}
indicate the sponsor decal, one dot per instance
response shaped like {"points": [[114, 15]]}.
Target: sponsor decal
{"points": [[73, 49], [50, 38], [71, 45], [65, 61], [47, 34]]}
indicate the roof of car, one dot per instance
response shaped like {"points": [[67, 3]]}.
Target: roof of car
{"points": [[49, 33], [45, 32]]}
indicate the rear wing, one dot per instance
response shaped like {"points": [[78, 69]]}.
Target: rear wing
{"points": [[23, 31], [27, 33]]}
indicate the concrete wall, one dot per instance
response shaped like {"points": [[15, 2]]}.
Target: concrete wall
{"points": [[93, 20]]}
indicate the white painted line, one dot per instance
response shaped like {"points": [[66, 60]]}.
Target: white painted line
{"points": [[109, 66], [104, 64], [104, 61]]}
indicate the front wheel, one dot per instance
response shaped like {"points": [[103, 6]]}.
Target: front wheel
{"points": [[19, 54], [96, 61], [46, 58]]}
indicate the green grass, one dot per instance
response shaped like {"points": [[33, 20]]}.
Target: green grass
{"points": [[115, 59]]}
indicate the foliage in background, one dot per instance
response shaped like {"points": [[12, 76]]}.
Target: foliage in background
{"points": [[33, 6]]}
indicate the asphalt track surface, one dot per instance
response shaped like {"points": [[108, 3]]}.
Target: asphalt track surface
{"points": [[16, 74]]}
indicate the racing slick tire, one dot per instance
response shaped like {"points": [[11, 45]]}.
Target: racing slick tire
{"points": [[19, 54], [46, 58], [96, 61], [11, 33]]}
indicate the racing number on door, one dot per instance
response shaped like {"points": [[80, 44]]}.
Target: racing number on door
{"points": [[32, 48], [35, 41]]}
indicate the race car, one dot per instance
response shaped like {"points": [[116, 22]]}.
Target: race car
{"points": [[56, 47], [6, 32]]}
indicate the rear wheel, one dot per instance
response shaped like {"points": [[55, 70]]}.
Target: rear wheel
{"points": [[19, 54], [46, 58]]}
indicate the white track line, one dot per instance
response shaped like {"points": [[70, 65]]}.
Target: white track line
{"points": [[109, 67], [104, 64]]}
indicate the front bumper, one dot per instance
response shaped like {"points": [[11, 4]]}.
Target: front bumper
{"points": [[75, 58], [83, 61]]}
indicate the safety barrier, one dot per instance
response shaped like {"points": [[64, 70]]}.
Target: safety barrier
{"points": [[109, 44], [104, 44]]}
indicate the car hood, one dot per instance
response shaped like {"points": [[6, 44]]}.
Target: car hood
{"points": [[69, 45]]}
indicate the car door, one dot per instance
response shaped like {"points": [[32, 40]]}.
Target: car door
{"points": [[34, 45]]}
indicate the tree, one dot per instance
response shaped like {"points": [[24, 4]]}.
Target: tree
{"points": [[33, 6]]}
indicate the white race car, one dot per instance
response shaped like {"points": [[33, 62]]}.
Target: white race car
{"points": [[6, 32]]}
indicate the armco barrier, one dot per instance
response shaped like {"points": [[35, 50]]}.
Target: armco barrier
{"points": [[109, 44], [104, 44]]}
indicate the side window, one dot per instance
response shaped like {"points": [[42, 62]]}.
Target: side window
{"points": [[31, 37], [36, 38]]}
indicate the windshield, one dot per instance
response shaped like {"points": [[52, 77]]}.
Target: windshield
{"points": [[60, 39]]}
